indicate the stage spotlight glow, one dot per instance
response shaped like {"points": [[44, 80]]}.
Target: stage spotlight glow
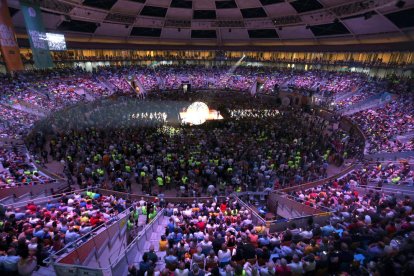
{"points": [[197, 113]]}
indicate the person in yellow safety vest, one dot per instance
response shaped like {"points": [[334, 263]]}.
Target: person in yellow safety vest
{"points": [[100, 172], [167, 181], [153, 214], [144, 210], [97, 157], [128, 168], [395, 179], [160, 182], [130, 224], [135, 215], [184, 179]]}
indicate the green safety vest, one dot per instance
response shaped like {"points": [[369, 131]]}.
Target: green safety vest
{"points": [[160, 181], [144, 210], [152, 215], [184, 179], [167, 179], [128, 169], [142, 174], [129, 225]]}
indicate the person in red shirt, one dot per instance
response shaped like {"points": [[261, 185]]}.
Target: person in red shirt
{"points": [[223, 207], [201, 225], [253, 237], [32, 207], [282, 268], [94, 220], [391, 229]]}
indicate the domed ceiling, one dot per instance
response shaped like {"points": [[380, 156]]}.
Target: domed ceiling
{"points": [[228, 22]]}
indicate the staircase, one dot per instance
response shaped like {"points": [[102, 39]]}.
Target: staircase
{"points": [[29, 108], [154, 240], [107, 85], [374, 102]]}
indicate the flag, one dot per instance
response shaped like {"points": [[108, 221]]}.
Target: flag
{"points": [[37, 35], [8, 44]]}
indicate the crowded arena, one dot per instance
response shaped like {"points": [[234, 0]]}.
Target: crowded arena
{"points": [[206, 138]]}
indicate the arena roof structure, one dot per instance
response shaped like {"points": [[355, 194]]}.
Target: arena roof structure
{"points": [[227, 22]]}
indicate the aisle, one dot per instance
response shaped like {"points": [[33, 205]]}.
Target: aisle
{"points": [[154, 240]]}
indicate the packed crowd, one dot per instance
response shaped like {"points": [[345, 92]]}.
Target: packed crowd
{"points": [[378, 174], [374, 228], [367, 235], [17, 170], [384, 124], [30, 234], [102, 145], [45, 91]]}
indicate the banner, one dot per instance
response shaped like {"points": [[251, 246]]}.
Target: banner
{"points": [[37, 35], [8, 44]]}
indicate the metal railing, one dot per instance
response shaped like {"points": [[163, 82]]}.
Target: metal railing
{"points": [[256, 218], [44, 199], [75, 245], [117, 267]]}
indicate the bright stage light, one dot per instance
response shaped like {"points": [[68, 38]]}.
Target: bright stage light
{"points": [[197, 113]]}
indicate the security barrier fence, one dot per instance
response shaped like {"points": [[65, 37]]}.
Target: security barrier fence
{"points": [[78, 261]]}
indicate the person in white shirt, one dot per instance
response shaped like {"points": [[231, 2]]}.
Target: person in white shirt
{"points": [[71, 201], [224, 256], [296, 266], [206, 245], [187, 212], [181, 270]]}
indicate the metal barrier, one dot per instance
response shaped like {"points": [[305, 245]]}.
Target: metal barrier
{"points": [[319, 182], [136, 197], [399, 193], [44, 199], [76, 262], [256, 218], [32, 189], [301, 222], [288, 208], [73, 249]]}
